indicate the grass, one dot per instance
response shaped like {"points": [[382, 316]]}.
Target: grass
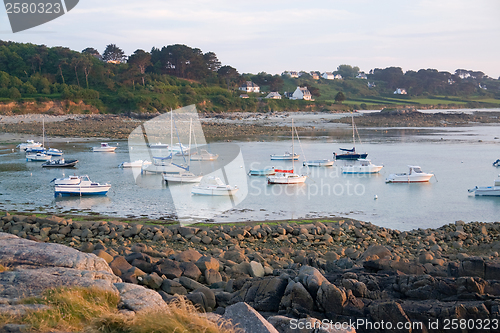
{"points": [[3, 268], [94, 310]]}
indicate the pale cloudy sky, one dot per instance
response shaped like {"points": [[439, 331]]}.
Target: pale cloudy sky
{"points": [[278, 35]]}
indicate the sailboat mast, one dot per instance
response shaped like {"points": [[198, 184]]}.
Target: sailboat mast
{"points": [[43, 132], [189, 148], [171, 132], [353, 137], [293, 150]]}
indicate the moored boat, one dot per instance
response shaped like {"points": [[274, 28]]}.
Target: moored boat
{"points": [[104, 148], [496, 163], [287, 156], [286, 177], [134, 164], [203, 155], [213, 186], [493, 191], [60, 163], [361, 166], [79, 186], [54, 152], [350, 154], [28, 144], [182, 177], [37, 157], [158, 145], [318, 163], [262, 172], [35, 150], [414, 175]]}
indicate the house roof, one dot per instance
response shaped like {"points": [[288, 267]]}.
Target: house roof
{"points": [[273, 94], [304, 90], [250, 84]]}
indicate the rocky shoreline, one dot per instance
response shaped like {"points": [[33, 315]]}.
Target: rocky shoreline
{"points": [[340, 271]]}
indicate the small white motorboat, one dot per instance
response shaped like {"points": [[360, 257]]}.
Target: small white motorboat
{"points": [[104, 148], [79, 186], [28, 144], [213, 186], [363, 166], [318, 163], [182, 177], [134, 164], [496, 163], [287, 156], [286, 177], [37, 157], [414, 175], [493, 191], [35, 150], [54, 152], [158, 145], [203, 155], [262, 172]]}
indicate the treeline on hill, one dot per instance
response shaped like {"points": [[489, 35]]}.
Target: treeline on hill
{"points": [[177, 75]]}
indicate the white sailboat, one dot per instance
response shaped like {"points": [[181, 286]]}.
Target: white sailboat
{"points": [[39, 156], [213, 186], [287, 176], [184, 176]]}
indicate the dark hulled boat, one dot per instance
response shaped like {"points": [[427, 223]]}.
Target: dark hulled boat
{"points": [[61, 163], [349, 154]]}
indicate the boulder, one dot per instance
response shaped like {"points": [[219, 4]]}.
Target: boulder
{"points": [[311, 278], [120, 266], [190, 270], [297, 299], [207, 262], [171, 287], [330, 299], [212, 276], [19, 251], [169, 268], [247, 319], [389, 312], [376, 250], [138, 298], [204, 298], [263, 294], [188, 255], [256, 269], [189, 283]]}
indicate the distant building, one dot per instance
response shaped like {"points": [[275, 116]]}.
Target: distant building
{"points": [[315, 75], [243, 96], [293, 74], [249, 86], [274, 95], [400, 91], [371, 85], [337, 77], [301, 93], [362, 75], [116, 62], [328, 76]]}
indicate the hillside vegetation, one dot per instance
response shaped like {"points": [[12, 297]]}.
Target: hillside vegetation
{"points": [[178, 75]]}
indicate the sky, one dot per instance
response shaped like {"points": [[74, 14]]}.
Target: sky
{"points": [[274, 35]]}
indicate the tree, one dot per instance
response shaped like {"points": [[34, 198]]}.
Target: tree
{"points": [[91, 51], [113, 53], [75, 62], [347, 71], [228, 73], [60, 63], [314, 91], [141, 59], [340, 97], [212, 62], [86, 62]]}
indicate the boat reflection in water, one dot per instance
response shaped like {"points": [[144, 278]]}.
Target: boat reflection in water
{"points": [[80, 203]]}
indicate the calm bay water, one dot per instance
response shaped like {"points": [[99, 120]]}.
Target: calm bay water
{"points": [[456, 156]]}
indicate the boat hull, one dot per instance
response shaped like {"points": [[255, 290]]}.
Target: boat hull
{"points": [[72, 190], [284, 158], [38, 158], [180, 179], [362, 169], [349, 156], [214, 191], [286, 180], [318, 163], [68, 164], [408, 179], [262, 172], [493, 191], [105, 150]]}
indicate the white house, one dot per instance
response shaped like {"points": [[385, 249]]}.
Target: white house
{"points": [[315, 75], [301, 93], [328, 76], [400, 91], [293, 74], [362, 75], [274, 95], [337, 77], [249, 86]]}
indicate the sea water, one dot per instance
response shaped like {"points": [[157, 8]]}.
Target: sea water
{"points": [[460, 158]]}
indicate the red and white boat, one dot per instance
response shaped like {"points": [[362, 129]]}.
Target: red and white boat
{"points": [[286, 177]]}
